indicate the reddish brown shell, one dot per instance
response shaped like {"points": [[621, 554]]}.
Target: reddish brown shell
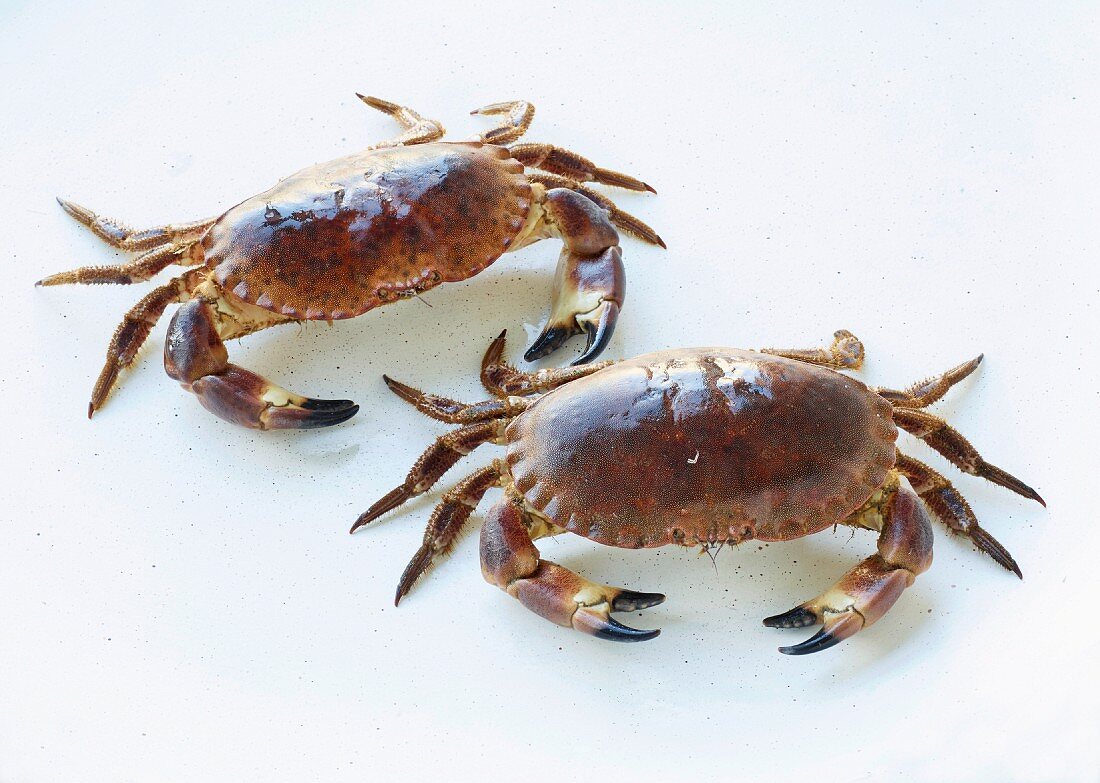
{"points": [[702, 445], [339, 238]]}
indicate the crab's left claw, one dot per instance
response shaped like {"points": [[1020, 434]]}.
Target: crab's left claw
{"points": [[588, 293], [866, 593]]}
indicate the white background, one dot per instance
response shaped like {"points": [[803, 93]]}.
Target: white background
{"points": [[179, 598]]}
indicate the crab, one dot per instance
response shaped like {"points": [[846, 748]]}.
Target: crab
{"points": [[340, 238], [697, 447]]}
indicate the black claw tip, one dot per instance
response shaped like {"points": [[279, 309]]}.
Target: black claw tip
{"points": [[799, 617], [617, 632], [328, 418], [822, 640], [327, 405], [631, 601], [546, 343], [599, 334]]}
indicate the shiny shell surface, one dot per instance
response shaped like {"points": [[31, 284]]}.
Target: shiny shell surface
{"points": [[701, 446], [339, 238]]}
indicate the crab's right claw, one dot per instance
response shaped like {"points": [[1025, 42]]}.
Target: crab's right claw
{"points": [[588, 293]]}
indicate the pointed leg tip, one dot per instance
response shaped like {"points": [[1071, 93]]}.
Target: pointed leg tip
{"points": [[91, 409], [649, 188], [72, 209], [502, 335], [660, 242]]}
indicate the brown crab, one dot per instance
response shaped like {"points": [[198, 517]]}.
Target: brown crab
{"points": [[340, 238], [698, 446]]}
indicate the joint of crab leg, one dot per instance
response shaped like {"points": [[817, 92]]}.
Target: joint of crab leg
{"points": [[588, 294]]}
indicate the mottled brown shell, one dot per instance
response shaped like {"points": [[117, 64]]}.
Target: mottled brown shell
{"points": [[339, 238], [702, 445]]}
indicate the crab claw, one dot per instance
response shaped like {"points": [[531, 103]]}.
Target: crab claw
{"points": [[837, 628], [602, 625], [195, 356], [243, 397], [588, 293]]}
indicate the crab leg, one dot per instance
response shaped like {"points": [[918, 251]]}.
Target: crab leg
{"points": [[418, 130], [445, 525], [440, 457], [950, 507], [123, 237], [511, 561], [846, 352], [139, 270], [865, 593], [503, 380], [949, 442], [519, 116], [590, 282], [134, 330], [195, 355], [923, 394], [569, 164], [452, 411], [623, 220]]}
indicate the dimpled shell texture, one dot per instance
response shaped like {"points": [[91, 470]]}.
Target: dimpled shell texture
{"points": [[339, 238], [702, 445]]}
